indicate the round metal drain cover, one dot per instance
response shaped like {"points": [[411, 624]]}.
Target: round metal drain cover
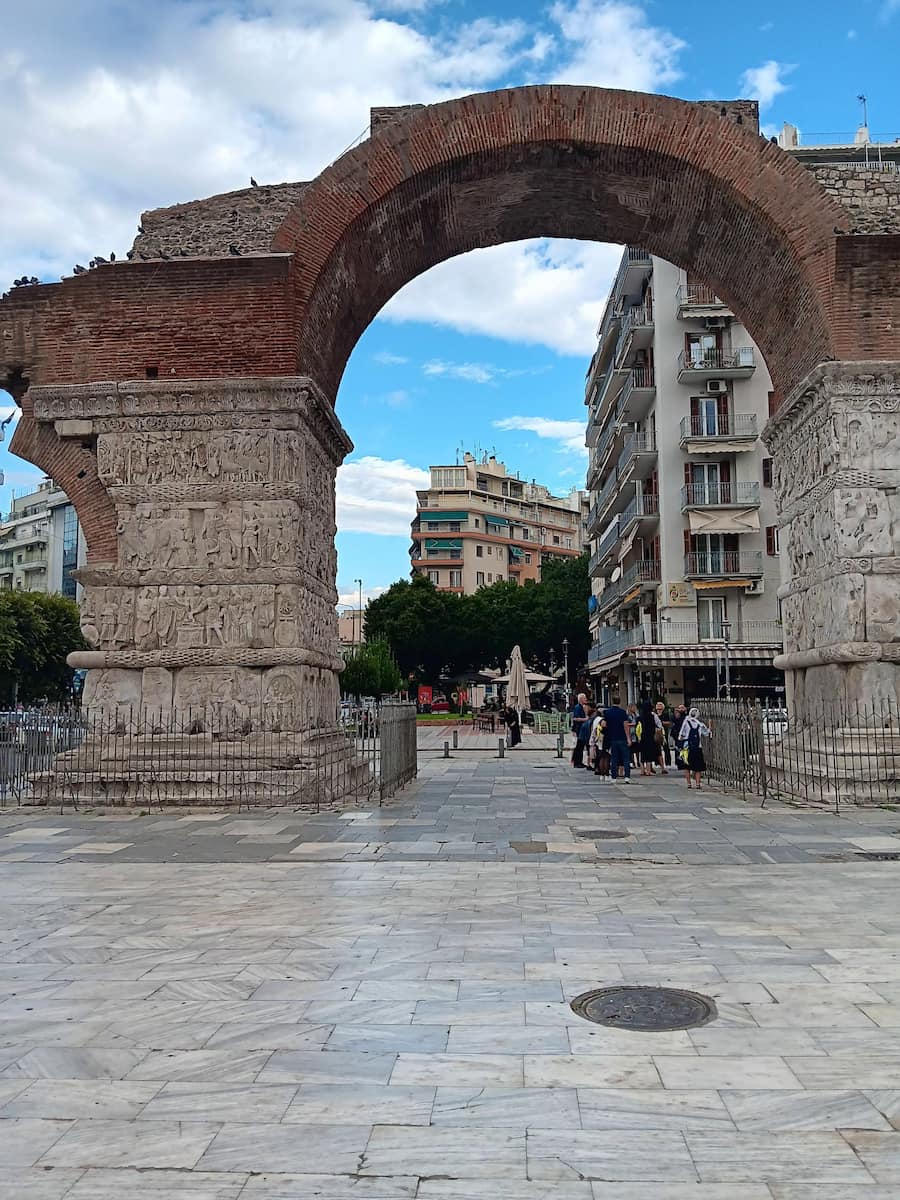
{"points": [[648, 1009], [599, 835]]}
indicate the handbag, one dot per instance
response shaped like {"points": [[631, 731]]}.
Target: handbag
{"points": [[660, 737]]}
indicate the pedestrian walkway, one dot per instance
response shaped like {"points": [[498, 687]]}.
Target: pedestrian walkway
{"points": [[279, 1006]]}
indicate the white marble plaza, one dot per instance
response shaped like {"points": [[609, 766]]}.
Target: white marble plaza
{"points": [[271, 1025]]}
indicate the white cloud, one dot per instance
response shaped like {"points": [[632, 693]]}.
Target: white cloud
{"points": [[378, 495], [569, 434], [470, 372], [766, 83], [614, 45], [385, 359], [348, 595], [109, 109], [548, 293]]}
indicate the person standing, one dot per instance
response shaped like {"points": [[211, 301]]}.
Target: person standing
{"points": [[649, 751], [513, 728], [662, 738], [600, 745], [584, 734], [689, 736], [618, 727], [680, 714], [578, 718], [635, 744]]}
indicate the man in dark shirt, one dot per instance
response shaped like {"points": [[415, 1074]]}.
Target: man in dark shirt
{"points": [[618, 726]]}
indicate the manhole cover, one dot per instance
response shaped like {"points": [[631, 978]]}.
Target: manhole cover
{"points": [[598, 835], [647, 1009], [880, 855]]}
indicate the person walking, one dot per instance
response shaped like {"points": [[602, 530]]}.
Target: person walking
{"points": [[662, 738], [600, 745], [689, 737], [618, 727], [579, 716], [649, 751]]}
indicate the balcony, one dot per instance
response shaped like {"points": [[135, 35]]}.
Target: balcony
{"points": [[699, 300], [602, 503], [615, 641], [612, 642], [635, 266], [723, 564], [637, 394], [602, 451], [645, 506], [637, 331], [638, 457], [644, 574], [716, 364], [713, 429], [720, 495]]}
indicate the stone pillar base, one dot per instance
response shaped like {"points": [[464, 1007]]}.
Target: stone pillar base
{"points": [[849, 766], [312, 770]]}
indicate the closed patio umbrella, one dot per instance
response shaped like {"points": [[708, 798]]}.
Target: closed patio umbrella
{"points": [[517, 688]]}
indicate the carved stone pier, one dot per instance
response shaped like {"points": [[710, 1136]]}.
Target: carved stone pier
{"points": [[220, 606], [836, 452]]}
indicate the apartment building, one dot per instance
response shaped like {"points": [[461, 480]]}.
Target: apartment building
{"points": [[41, 543], [351, 626], [684, 561], [477, 524]]}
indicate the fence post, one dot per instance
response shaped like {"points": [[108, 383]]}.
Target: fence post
{"points": [[560, 744], [455, 739], [501, 747]]}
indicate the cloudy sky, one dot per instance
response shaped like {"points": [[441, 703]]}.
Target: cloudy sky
{"points": [[110, 107]]}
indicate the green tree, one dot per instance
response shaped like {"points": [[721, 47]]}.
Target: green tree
{"points": [[422, 626], [370, 670], [37, 632]]}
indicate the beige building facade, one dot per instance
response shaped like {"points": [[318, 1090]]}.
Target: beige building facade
{"points": [[684, 564], [477, 525], [351, 626]]}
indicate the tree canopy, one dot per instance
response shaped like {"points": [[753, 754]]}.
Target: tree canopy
{"points": [[370, 670], [435, 634], [37, 631]]}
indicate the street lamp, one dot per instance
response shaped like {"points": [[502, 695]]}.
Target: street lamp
{"points": [[726, 630], [565, 646], [360, 582]]}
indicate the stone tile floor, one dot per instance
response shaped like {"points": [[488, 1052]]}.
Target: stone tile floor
{"points": [[278, 1006]]}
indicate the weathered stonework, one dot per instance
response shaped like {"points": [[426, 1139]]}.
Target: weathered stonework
{"points": [[221, 597], [870, 197], [836, 452]]}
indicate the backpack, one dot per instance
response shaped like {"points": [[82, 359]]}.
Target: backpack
{"points": [[693, 737]]}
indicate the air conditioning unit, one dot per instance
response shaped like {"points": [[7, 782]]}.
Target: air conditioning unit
{"points": [[716, 322], [716, 387], [756, 588]]}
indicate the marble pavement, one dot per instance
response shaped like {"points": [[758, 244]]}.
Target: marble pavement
{"points": [[280, 1006]]}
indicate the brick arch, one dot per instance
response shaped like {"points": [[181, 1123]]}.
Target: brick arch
{"points": [[569, 162]]}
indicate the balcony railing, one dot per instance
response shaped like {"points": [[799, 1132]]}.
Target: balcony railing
{"points": [[639, 316], [720, 495], [726, 563], [644, 571], [609, 539], [697, 295], [643, 505], [602, 502], [635, 444], [721, 425], [684, 633], [640, 380], [705, 361]]}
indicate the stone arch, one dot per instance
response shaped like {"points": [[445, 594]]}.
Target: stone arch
{"points": [[573, 162]]}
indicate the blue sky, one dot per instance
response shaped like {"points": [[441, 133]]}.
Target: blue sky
{"points": [[114, 106]]}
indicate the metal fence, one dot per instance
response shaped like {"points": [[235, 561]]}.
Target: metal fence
{"points": [[838, 753], [284, 755]]}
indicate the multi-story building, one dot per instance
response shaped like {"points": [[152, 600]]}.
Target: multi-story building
{"points": [[351, 626], [477, 525], [41, 543], [684, 559]]}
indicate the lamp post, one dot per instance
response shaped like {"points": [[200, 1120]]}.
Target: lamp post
{"points": [[360, 582], [565, 646], [726, 630]]}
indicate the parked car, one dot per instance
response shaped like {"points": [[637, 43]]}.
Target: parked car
{"points": [[775, 722]]}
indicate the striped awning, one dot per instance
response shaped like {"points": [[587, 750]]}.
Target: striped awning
{"points": [[435, 518], [706, 584], [704, 655], [443, 544]]}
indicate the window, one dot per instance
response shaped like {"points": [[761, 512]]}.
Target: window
{"points": [[435, 577], [448, 477], [773, 540], [701, 349], [456, 578], [490, 550], [526, 534], [479, 551], [528, 558], [767, 472], [70, 551], [482, 483], [556, 541], [454, 526], [477, 523], [711, 618], [504, 489], [568, 543], [479, 578]]}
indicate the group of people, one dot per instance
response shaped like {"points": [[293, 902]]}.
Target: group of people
{"points": [[612, 738]]}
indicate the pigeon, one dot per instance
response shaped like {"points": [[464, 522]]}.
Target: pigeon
{"points": [[144, 257], [112, 256], [34, 279], [840, 232], [253, 182], [162, 254], [140, 229], [129, 254], [79, 269], [99, 261], [232, 249]]}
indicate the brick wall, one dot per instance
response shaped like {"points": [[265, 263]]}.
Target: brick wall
{"points": [[871, 198]]}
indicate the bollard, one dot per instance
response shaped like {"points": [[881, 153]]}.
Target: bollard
{"points": [[560, 745], [455, 739], [501, 747], [446, 749]]}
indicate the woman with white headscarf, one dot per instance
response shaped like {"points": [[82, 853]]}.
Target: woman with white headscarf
{"points": [[691, 747]]}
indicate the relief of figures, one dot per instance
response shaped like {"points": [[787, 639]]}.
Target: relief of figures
{"points": [[189, 456], [246, 534], [107, 617]]}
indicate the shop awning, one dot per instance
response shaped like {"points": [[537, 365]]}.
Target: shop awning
{"points": [[443, 543], [496, 520], [433, 518], [704, 654], [706, 584], [717, 446], [516, 554], [744, 520]]}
